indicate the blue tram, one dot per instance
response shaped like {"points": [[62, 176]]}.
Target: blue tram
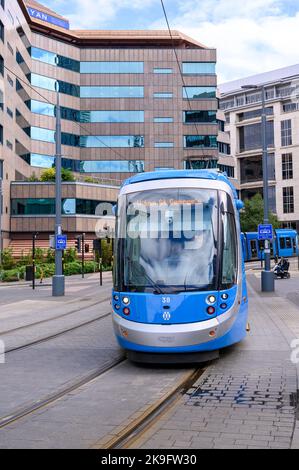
{"points": [[285, 243], [179, 279]]}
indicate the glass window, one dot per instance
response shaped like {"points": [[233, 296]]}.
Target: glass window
{"points": [[70, 206], [256, 113], [169, 245], [112, 116], [198, 68], [290, 107], [229, 170], [55, 59], [163, 119], [163, 95], [45, 135], [41, 161], [51, 84], [286, 133], [88, 166], [288, 200], [40, 107], [191, 117], [287, 166], [1, 31], [163, 144], [111, 67], [1, 65], [200, 141], [112, 166], [112, 141], [251, 136], [163, 71], [225, 149], [199, 92], [1, 134], [47, 109], [203, 164], [229, 252], [111, 91]]}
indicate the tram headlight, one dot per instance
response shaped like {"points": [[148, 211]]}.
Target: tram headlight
{"points": [[116, 298], [211, 299], [224, 296], [117, 307], [126, 311], [126, 300]]}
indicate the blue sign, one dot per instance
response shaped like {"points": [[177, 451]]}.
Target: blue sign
{"points": [[265, 232], [61, 242], [40, 15]]}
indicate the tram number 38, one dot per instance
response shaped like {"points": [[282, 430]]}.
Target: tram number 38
{"points": [[165, 300]]}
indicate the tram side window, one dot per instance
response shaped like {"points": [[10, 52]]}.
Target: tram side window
{"points": [[253, 248], [282, 243], [229, 256], [294, 245], [288, 242]]}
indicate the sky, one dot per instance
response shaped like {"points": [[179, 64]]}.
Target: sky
{"points": [[251, 36]]}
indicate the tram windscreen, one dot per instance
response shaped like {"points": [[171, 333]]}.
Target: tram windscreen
{"points": [[169, 240]]}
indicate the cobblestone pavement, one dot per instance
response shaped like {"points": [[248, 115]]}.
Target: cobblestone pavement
{"points": [[248, 398]]}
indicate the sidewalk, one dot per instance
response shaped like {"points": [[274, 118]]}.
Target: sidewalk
{"points": [[248, 398], [22, 305]]}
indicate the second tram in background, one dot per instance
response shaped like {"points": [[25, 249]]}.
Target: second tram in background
{"points": [[179, 278], [285, 244]]}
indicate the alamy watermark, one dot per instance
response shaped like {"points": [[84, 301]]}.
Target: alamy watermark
{"points": [[2, 352], [295, 351]]}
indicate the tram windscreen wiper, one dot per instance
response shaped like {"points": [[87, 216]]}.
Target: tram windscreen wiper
{"points": [[147, 277]]}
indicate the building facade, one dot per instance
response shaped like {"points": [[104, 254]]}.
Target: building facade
{"points": [[127, 106], [242, 108]]}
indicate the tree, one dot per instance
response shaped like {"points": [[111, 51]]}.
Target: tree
{"points": [[49, 175], [253, 214]]}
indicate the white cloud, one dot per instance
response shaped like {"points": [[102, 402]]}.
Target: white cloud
{"points": [[251, 36]]}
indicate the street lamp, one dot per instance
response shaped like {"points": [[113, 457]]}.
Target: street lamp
{"points": [[58, 284], [267, 274]]}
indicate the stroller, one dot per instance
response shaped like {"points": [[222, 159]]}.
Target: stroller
{"points": [[281, 269]]}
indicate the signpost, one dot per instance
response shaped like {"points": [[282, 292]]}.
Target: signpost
{"points": [[265, 232], [61, 241]]}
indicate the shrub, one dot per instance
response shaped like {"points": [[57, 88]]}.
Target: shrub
{"points": [[39, 255], [8, 261], [26, 259], [49, 175], [70, 255], [10, 275], [50, 256], [72, 268]]}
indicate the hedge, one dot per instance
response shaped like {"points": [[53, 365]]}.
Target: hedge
{"points": [[48, 270]]}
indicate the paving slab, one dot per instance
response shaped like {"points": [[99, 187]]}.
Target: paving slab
{"points": [[249, 397]]}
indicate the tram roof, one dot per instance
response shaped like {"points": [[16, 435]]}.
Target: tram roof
{"points": [[174, 174]]}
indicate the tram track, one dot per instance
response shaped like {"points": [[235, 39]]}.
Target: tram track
{"points": [[57, 334], [57, 317], [55, 396], [133, 432]]}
